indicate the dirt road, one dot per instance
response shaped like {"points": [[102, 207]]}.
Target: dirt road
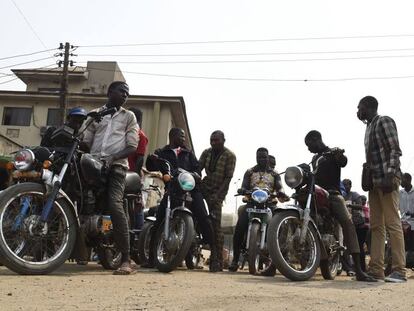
{"points": [[90, 288]]}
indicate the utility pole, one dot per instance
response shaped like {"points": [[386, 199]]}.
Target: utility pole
{"points": [[64, 81]]}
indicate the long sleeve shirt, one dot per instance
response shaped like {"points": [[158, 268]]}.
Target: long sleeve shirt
{"points": [[382, 148]]}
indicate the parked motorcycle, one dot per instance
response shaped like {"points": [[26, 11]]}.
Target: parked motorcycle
{"points": [[175, 235], [260, 204], [304, 236], [60, 201]]}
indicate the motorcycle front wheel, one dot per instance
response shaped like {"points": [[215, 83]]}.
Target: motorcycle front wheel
{"points": [[256, 260], [27, 246], [172, 251], [296, 261]]}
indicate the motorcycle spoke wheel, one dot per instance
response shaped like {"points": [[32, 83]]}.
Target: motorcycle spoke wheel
{"points": [[299, 258], [168, 249], [24, 239]]}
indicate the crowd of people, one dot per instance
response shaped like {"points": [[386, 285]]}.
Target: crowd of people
{"points": [[120, 141]]}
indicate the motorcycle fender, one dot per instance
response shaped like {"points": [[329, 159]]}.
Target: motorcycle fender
{"points": [[299, 210], [64, 196], [181, 209], [255, 219]]}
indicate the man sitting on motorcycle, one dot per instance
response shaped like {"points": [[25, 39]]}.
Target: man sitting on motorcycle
{"points": [[328, 177], [180, 157], [261, 176]]}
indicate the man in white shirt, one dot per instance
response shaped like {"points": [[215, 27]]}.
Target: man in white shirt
{"points": [[113, 140], [406, 196]]}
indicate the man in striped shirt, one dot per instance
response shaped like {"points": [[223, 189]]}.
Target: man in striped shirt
{"points": [[383, 157]]}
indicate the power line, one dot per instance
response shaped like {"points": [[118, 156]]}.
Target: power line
{"points": [[28, 23], [259, 79], [250, 40], [249, 54], [265, 60], [27, 54], [28, 62]]}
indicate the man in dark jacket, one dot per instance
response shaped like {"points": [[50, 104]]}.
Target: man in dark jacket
{"points": [[328, 177], [180, 157]]}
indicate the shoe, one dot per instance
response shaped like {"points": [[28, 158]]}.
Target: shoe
{"points": [[233, 267], [396, 277], [215, 266], [364, 277], [376, 276], [270, 271], [350, 273]]}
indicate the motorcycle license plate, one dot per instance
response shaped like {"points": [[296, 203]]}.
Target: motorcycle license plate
{"points": [[106, 224], [258, 211]]}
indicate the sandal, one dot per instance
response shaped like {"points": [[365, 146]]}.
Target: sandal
{"points": [[125, 269]]}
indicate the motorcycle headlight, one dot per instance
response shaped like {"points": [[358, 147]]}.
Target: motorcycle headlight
{"points": [[294, 176], [260, 196], [186, 181], [23, 159]]}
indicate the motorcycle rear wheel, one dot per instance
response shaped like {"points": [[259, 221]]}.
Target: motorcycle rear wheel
{"points": [[330, 267], [297, 263], [144, 241], [181, 226], [27, 249]]}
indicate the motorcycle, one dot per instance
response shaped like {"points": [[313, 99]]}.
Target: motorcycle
{"points": [[175, 235], [44, 215], [259, 209], [304, 236]]}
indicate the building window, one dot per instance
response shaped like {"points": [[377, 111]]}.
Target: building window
{"points": [[17, 116], [53, 117]]}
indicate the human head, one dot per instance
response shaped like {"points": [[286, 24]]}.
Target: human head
{"points": [[138, 115], [262, 157], [217, 140], [347, 184], [118, 92], [272, 162], [314, 141], [75, 118], [177, 137], [406, 180], [367, 108], [363, 199]]}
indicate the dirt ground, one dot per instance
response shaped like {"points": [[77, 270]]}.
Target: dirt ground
{"points": [[89, 287]]}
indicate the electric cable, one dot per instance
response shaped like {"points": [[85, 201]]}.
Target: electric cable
{"points": [[27, 54], [28, 62], [250, 40]]}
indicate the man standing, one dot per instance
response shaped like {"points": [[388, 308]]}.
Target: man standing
{"points": [[358, 218], [113, 140], [218, 163], [406, 196], [383, 156], [328, 177], [136, 159], [407, 212]]}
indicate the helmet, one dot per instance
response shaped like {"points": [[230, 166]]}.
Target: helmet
{"points": [[78, 111]]}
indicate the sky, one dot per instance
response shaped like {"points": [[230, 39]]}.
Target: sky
{"points": [[284, 68]]}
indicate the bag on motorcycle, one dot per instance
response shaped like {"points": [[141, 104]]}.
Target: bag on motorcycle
{"points": [[366, 179]]}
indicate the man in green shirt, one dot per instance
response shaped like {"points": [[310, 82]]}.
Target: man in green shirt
{"points": [[218, 163]]}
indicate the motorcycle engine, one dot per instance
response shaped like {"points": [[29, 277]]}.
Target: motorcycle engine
{"points": [[92, 225]]}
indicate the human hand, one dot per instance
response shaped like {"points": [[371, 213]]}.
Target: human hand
{"points": [[108, 160]]}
